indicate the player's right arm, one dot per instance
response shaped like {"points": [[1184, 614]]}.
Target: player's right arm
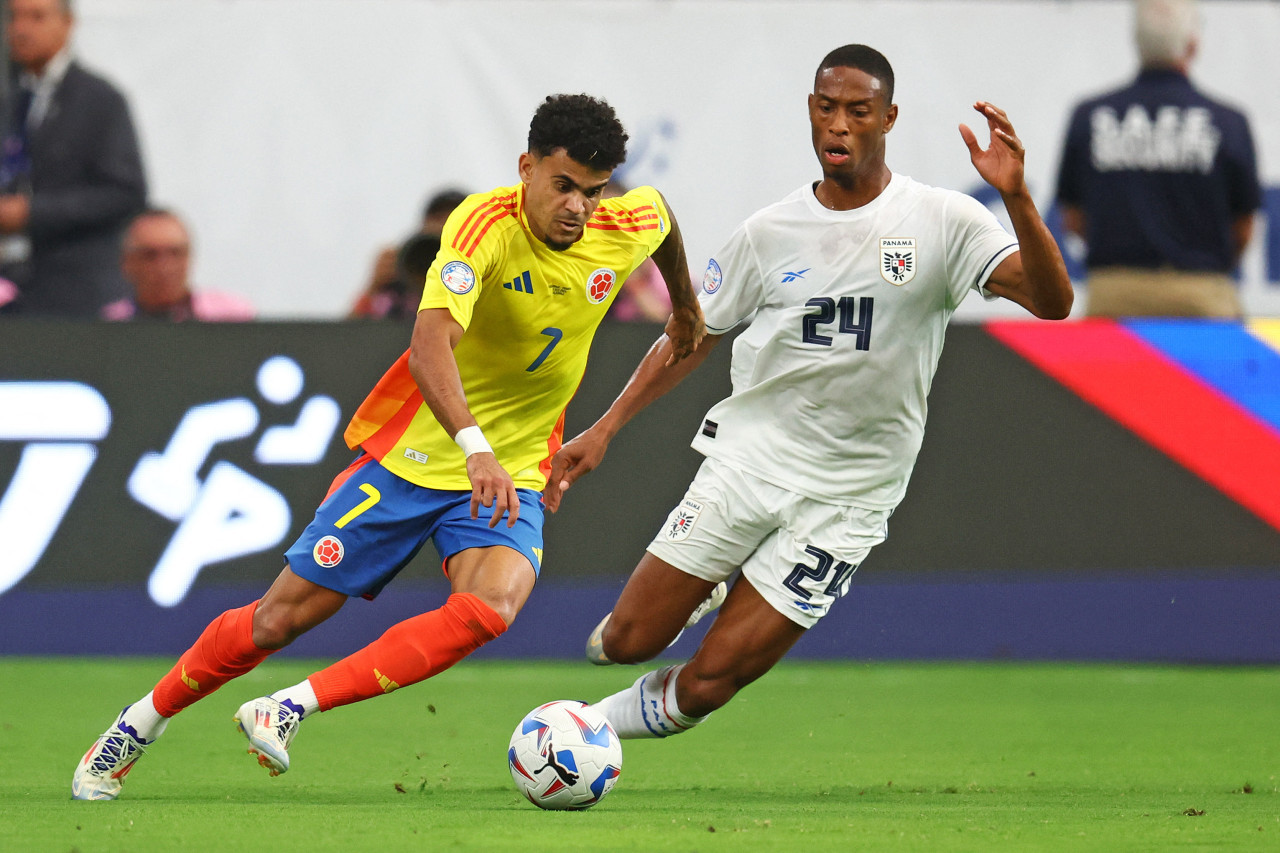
{"points": [[431, 362], [657, 373], [685, 327]]}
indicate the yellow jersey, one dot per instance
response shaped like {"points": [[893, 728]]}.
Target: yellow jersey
{"points": [[529, 314]]}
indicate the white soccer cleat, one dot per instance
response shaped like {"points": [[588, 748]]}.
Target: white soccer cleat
{"points": [[595, 643], [711, 602], [270, 728], [100, 774]]}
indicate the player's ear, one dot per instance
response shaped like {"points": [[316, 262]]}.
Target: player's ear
{"points": [[525, 167], [890, 117]]}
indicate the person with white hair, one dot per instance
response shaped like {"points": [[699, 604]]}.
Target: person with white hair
{"points": [[1161, 181]]}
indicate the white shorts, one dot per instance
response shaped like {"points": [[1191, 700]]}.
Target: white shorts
{"points": [[799, 553]]}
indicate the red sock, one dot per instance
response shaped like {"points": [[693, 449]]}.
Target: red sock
{"points": [[224, 651], [409, 652]]}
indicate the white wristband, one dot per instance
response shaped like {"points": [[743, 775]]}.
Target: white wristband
{"points": [[472, 440]]}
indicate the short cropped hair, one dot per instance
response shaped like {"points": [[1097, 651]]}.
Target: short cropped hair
{"points": [[863, 58], [586, 127], [1164, 31]]}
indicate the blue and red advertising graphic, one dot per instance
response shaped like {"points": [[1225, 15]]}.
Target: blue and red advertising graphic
{"points": [[1206, 394]]}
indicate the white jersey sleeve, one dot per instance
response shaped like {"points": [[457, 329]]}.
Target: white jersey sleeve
{"points": [[976, 244], [733, 278]]}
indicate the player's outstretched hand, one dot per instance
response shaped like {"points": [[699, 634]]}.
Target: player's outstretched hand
{"points": [[492, 486], [1000, 164], [579, 456], [685, 328]]}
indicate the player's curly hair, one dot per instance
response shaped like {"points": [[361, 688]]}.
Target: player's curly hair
{"points": [[863, 58], [586, 127]]}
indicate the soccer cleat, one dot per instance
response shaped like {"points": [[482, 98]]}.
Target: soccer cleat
{"points": [[595, 643], [100, 774], [270, 727], [711, 602]]}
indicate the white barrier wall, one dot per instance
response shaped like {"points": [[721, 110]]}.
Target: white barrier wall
{"points": [[299, 136]]}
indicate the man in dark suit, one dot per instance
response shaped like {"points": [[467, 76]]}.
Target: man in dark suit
{"points": [[71, 175]]}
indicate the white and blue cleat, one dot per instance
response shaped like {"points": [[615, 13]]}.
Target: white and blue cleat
{"points": [[100, 774], [270, 727]]}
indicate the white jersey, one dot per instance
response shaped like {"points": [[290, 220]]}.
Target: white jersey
{"points": [[831, 378]]}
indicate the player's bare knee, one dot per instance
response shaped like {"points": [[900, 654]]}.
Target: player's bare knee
{"points": [[507, 606], [274, 627], [622, 643]]}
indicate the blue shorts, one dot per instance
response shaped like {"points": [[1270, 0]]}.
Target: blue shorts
{"points": [[372, 523]]}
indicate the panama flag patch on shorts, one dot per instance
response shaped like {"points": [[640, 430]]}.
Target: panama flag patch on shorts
{"points": [[680, 522]]}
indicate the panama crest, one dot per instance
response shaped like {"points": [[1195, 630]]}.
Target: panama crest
{"points": [[682, 519], [898, 259]]}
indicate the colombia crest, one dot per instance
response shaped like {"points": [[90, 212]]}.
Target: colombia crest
{"points": [[328, 552], [599, 284]]}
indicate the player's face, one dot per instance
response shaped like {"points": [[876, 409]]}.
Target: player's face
{"points": [[560, 196], [850, 117], [37, 30]]}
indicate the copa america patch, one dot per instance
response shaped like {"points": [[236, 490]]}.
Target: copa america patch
{"points": [[458, 277], [328, 551], [712, 278], [599, 283], [897, 259], [682, 519]]}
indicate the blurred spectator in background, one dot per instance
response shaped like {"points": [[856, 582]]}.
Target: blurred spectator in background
{"points": [[156, 261], [70, 176], [644, 294], [1161, 181], [395, 286]]}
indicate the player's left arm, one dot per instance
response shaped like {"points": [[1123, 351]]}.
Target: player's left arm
{"points": [[685, 327], [1035, 276]]}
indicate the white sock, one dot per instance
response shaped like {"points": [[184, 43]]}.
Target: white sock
{"points": [[647, 709], [301, 697], [144, 719]]}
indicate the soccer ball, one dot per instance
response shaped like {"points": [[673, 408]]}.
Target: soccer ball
{"points": [[564, 755]]}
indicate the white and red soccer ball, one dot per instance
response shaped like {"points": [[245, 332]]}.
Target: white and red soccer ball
{"points": [[564, 755]]}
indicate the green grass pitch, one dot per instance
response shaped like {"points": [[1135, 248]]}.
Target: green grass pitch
{"points": [[814, 757]]}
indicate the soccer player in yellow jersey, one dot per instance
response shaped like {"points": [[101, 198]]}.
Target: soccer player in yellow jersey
{"points": [[469, 417]]}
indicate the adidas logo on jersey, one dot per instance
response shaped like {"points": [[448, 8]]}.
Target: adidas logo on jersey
{"points": [[521, 283]]}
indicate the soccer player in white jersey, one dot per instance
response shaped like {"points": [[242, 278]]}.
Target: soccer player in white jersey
{"points": [[851, 281]]}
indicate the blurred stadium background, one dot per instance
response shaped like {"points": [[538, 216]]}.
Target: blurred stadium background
{"points": [[301, 135], [1087, 491]]}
